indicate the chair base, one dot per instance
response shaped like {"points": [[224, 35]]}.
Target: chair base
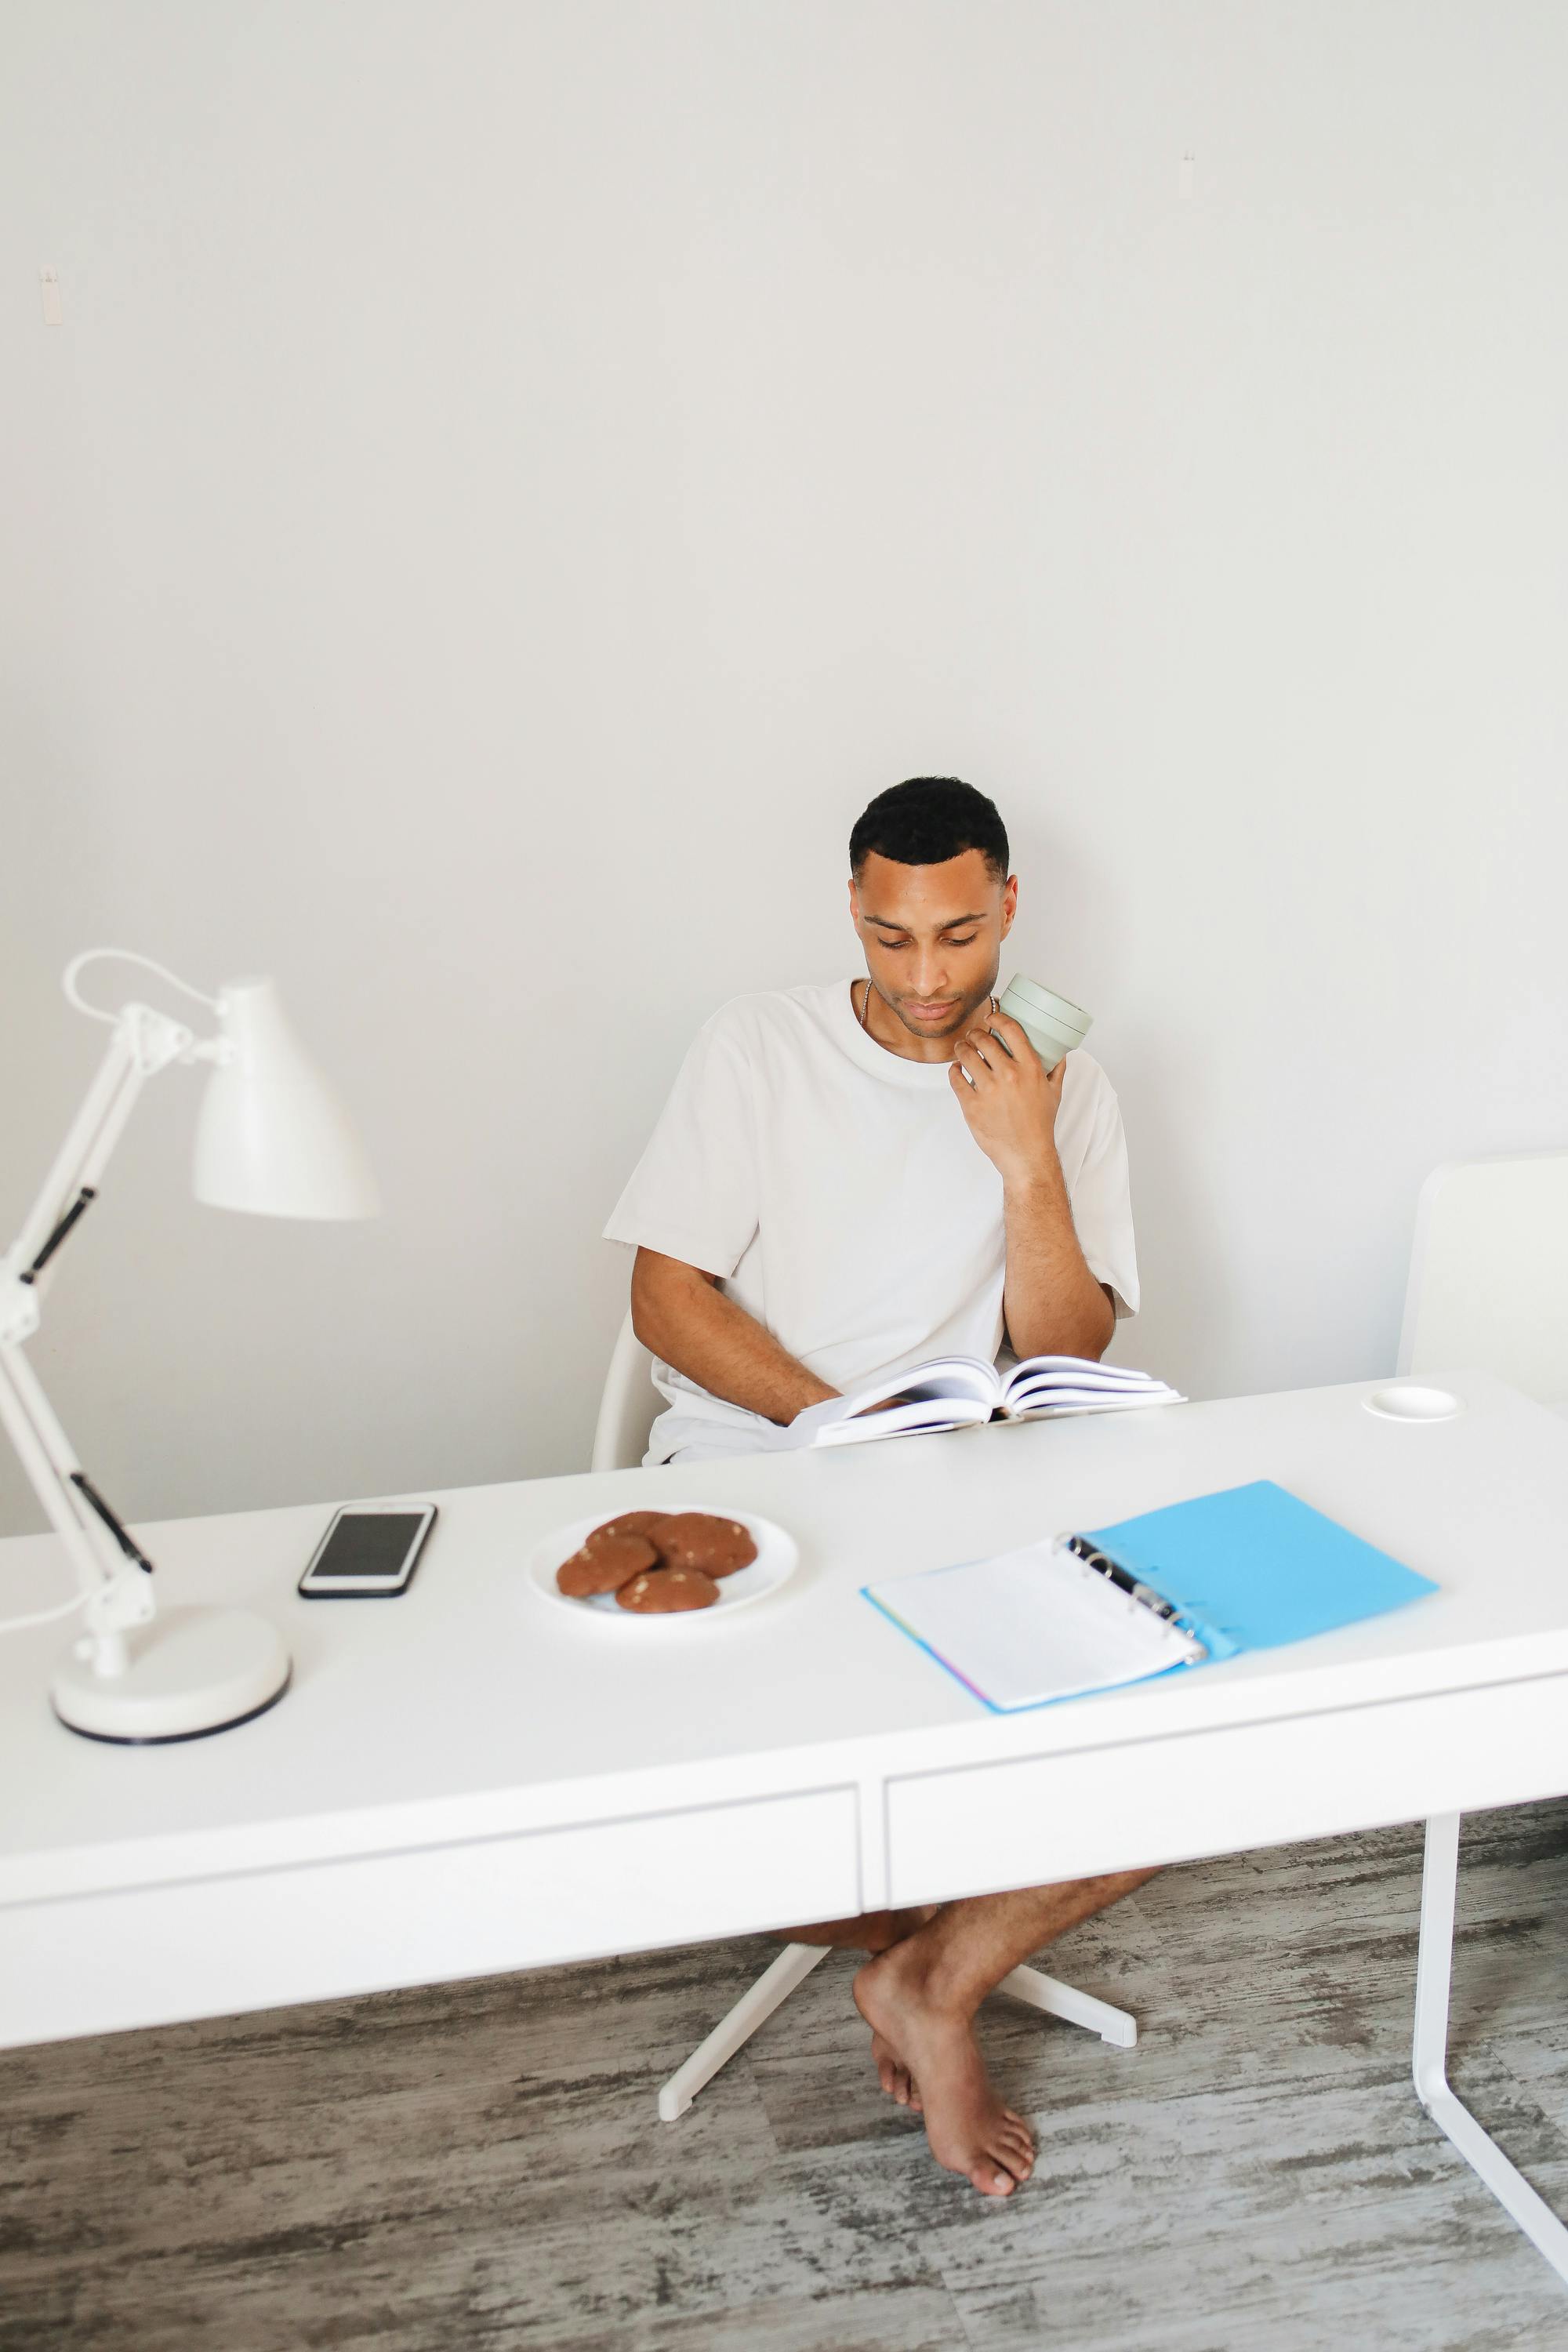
{"points": [[795, 1963], [1116, 2027]]}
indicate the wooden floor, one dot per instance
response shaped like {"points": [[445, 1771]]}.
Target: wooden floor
{"points": [[479, 2166]]}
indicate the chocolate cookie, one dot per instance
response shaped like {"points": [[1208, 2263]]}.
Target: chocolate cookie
{"points": [[630, 1523], [663, 1590], [604, 1566], [701, 1540]]}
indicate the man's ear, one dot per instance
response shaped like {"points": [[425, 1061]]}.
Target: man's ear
{"points": [[1009, 903], [854, 905]]}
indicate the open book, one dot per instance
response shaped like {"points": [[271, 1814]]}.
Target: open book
{"points": [[956, 1390]]}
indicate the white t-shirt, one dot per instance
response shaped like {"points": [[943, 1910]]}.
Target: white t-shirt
{"points": [[836, 1190]]}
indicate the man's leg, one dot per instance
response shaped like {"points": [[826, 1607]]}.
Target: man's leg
{"points": [[871, 1931], [920, 1996]]}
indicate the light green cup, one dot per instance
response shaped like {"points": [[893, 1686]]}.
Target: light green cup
{"points": [[1052, 1025]]}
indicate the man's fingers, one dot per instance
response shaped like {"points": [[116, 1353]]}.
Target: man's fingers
{"points": [[972, 1062], [991, 1050], [1009, 1033]]}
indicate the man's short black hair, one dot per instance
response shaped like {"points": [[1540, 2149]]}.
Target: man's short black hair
{"points": [[927, 820]]}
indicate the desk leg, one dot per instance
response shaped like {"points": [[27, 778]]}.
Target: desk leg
{"points": [[1439, 1881]]}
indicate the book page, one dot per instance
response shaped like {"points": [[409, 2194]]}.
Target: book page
{"points": [[1066, 1383], [1042, 1404], [947, 1393], [904, 1416]]}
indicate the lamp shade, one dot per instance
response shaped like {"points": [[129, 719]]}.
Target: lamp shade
{"points": [[271, 1136]]}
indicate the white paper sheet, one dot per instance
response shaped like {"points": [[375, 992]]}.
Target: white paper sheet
{"points": [[1031, 1625]]}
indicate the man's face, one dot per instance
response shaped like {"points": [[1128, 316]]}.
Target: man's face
{"points": [[932, 937]]}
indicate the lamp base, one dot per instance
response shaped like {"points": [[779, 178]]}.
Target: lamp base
{"points": [[192, 1671]]}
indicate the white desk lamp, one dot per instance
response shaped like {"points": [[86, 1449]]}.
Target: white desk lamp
{"points": [[273, 1139]]}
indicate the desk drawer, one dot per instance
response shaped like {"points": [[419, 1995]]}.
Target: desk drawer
{"points": [[1035, 1820], [147, 1956]]}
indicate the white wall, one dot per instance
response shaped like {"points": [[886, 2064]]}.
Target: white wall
{"points": [[514, 479]]}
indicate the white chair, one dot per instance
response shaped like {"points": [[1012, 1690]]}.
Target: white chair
{"points": [[1489, 1287], [627, 1412], [1489, 1274], [628, 1407]]}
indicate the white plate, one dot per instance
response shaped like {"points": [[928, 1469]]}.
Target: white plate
{"points": [[778, 1556], [1410, 1402]]}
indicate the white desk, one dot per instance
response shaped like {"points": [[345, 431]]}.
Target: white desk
{"points": [[466, 1779]]}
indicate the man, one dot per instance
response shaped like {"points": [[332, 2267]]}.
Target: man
{"points": [[846, 1182]]}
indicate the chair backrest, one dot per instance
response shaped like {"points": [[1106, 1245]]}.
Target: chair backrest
{"points": [[628, 1406], [1489, 1274]]}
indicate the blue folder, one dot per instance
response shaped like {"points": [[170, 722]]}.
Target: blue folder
{"points": [[1253, 1566]]}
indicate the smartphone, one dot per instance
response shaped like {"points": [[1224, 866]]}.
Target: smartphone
{"points": [[367, 1553]]}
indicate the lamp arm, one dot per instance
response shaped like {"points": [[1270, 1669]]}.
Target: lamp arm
{"points": [[117, 1590], [116, 1074], [143, 1042], [114, 1578]]}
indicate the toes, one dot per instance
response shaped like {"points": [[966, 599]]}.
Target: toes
{"points": [[991, 2184], [1016, 2150], [894, 2075]]}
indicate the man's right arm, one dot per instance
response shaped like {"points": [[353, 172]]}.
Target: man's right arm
{"points": [[681, 1314]]}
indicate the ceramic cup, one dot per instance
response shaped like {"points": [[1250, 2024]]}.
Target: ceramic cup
{"points": [[1052, 1025]]}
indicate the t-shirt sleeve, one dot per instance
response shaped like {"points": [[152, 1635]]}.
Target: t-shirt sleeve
{"points": [[1102, 1209], [693, 1193]]}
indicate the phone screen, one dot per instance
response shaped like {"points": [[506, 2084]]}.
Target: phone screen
{"points": [[369, 1543]]}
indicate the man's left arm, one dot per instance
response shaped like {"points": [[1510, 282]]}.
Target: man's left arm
{"points": [[1052, 1304]]}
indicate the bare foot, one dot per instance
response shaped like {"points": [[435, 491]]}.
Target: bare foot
{"points": [[894, 2075], [969, 2128]]}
